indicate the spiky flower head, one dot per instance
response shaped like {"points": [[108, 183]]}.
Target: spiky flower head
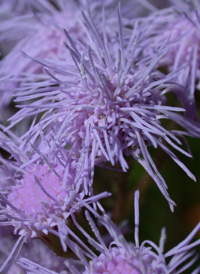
{"points": [[180, 24], [31, 30], [121, 257], [108, 106], [37, 27], [28, 32], [20, 22], [46, 190]]}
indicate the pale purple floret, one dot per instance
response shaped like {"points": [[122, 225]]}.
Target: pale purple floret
{"points": [[19, 21], [107, 106], [121, 257], [36, 34], [181, 25], [46, 191]]}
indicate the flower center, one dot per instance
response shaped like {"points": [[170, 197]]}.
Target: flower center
{"points": [[37, 190], [120, 262]]}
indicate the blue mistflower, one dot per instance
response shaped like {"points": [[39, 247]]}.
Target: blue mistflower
{"points": [[35, 201], [121, 257], [107, 105], [181, 24], [34, 31], [28, 32]]}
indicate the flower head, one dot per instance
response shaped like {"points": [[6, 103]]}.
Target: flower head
{"points": [[123, 257], [46, 190], [180, 24], [28, 32], [120, 261], [107, 105]]}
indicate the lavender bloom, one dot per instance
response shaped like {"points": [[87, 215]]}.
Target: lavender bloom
{"points": [[108, 106], [27, 32], [180, 23], [45, 192], [18, 19], [124, 257]]}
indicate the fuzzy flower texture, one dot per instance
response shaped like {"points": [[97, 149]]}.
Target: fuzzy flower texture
{"points": [[33, 199], [107, 105], [88, 82], [122, 257]]}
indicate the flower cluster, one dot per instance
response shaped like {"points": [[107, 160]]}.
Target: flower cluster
{"points": [[109, 104], [124, 257], [181, 24], [87, 84]]}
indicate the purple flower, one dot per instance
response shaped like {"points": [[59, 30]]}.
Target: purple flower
{"points": [[181, 25], [109, 106], [28, 32], [123, 257], [35, 33], [46, 190], [20, 21]]}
